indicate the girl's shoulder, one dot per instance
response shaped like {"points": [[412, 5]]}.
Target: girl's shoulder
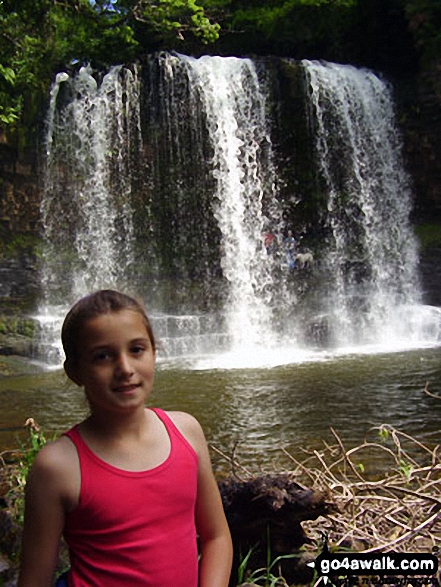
{"points": [[57, 459], [190, 428], [182, 418], [57, 467], [57, 453]]}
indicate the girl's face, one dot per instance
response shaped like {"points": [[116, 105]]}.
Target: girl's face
{"points": [[116, 365]]}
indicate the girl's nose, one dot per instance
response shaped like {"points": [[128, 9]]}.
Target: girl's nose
{"points": [[124, 365]]}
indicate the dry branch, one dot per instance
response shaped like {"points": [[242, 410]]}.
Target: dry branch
{"points": [[399, 509]]}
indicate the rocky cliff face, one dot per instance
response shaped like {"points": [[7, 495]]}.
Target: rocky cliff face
{"points": [[420, 117], [20, 197], [421, 124]]}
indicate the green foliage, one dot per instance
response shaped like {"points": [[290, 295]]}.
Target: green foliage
{"points": [[242, 569], [298, 27], [36, 441], [405, 469], [174, 19], [19, 245], [265, 576], [9, 111], [40, 37], [383, 433], [429, 235], [21, 326], [424, 18]]}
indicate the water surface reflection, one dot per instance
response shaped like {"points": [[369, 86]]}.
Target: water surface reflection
{"points": [[262, 410]]}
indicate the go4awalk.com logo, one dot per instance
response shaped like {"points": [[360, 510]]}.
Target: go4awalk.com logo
{"points": [[330, 565]]}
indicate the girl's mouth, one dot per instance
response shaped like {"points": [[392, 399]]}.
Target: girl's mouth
{"points": [[126, 388]]}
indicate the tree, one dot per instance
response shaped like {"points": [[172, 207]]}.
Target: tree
{"points": [[40, 37], [424, 18], [175, 19], [293, 28]]}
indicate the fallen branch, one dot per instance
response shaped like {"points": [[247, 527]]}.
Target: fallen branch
{"points": [[398, 509], [430, 393], [388, 546]]}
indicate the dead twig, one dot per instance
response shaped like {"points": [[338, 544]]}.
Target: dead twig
{"points": [[426, 390]]}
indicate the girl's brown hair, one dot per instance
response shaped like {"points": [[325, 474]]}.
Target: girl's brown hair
{"points": [[101, 302]]}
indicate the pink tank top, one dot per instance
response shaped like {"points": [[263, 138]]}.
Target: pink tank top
{"points": [[135, 529]]}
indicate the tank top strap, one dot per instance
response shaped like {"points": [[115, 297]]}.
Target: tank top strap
{"points": [[74, 435], [173, 431]]}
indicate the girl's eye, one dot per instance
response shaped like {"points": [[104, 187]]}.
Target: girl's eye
{"points": [[101, 356], [137, 350]]}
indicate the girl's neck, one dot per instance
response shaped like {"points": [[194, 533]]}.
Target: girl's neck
{"points": [[110, 425]]}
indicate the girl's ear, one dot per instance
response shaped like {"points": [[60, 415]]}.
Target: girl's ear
{"points": [[72, 373]]}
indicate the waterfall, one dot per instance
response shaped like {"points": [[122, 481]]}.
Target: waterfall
{"points": [[165, 179], [234, 105], [215, 177], [372, 253], [86, 212]]}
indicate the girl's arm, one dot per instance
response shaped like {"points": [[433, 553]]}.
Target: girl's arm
{"points": [[212, 527], [47, 490]]}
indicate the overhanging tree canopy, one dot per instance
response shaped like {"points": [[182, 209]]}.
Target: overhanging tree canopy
{"points": [[41, 37]]}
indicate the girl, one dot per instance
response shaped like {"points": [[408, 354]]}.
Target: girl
{"points": [[130, 488]]}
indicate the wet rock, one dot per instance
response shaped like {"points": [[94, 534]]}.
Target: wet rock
{"points": [[18, 336]]}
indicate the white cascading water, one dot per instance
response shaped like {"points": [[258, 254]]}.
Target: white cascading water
{"points": [[369, 202], [227, 104], [86, 211], [234, 105]]}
